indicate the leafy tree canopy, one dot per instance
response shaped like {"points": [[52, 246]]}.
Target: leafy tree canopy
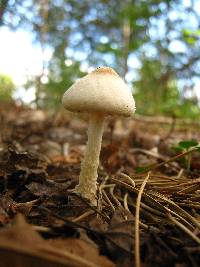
{"points": [[163, 36], [7, 87]]}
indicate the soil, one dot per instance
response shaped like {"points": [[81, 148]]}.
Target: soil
{"points": [[148, 211]]}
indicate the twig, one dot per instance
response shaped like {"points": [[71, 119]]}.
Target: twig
{"points": [[40, 228], [184, 228], [108, 200], [118, 204], [83, 216], [126, 176], [104, 216], [180, 218], [137, 222], [100, 199], [155, 166], [126, 202]]}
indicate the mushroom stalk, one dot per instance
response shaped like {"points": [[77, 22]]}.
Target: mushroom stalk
{"points": [[99, 94], [88, 176]]}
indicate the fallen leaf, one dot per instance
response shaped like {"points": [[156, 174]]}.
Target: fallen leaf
{"points": [[21, 246], [120, 237], [85, 249], [48, 188]]}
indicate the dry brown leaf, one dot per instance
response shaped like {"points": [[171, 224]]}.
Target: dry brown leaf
{"points": [[85, 249], [21, 246], [120, 237]]}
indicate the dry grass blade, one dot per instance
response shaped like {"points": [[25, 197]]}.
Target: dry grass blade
{"points": [[126, 202], [156, 166], [83, 216], [128, 178], [152, 210], [137, 221], [180, 218], [147, 197], [117, 203], [190, 188], [184, 228], [181, 211], [108, 200]]}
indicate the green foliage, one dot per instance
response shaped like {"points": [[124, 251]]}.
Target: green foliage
{"points": [[184, 146], [156, 91], [191, 36], [7, 88], [142, 169], [102, 32], [184, 150], [188, 144], [188, 108], [60, 80]]}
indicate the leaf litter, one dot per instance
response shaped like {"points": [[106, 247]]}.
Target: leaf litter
{"points": [[142, 219]]}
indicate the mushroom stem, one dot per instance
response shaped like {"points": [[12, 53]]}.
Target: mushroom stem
{"points": [[88, 176]]}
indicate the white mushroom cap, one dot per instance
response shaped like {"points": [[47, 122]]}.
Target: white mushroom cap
{"points": [[100, 91]]}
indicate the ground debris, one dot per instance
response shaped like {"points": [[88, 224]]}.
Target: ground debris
{"points": [[21, 245], [43, 223]]}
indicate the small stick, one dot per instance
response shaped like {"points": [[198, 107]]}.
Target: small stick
{"points": [[184, 228], [108, 200], [128, 178], [137, 222], [114, 198], [40, 228], [155, 166], [83, 216], [125, 202]]}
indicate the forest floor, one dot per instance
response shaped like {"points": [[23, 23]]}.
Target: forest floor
{"points": [[148, 211]]}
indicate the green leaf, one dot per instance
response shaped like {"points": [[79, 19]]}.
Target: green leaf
{"points": [[177, 148], [191, 40], [141, 169], [197, 32], [198, 148], [188, 144]]}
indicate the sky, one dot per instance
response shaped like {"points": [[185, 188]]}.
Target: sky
{"points": [[21, 58]]}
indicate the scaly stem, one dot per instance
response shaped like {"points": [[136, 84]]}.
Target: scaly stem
{"points": [[88, 177]]}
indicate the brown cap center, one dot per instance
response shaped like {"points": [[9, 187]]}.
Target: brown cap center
{"points": [[105, 70]]}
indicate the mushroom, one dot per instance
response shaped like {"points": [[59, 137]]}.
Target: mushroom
{"points": [[98, 94]]}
